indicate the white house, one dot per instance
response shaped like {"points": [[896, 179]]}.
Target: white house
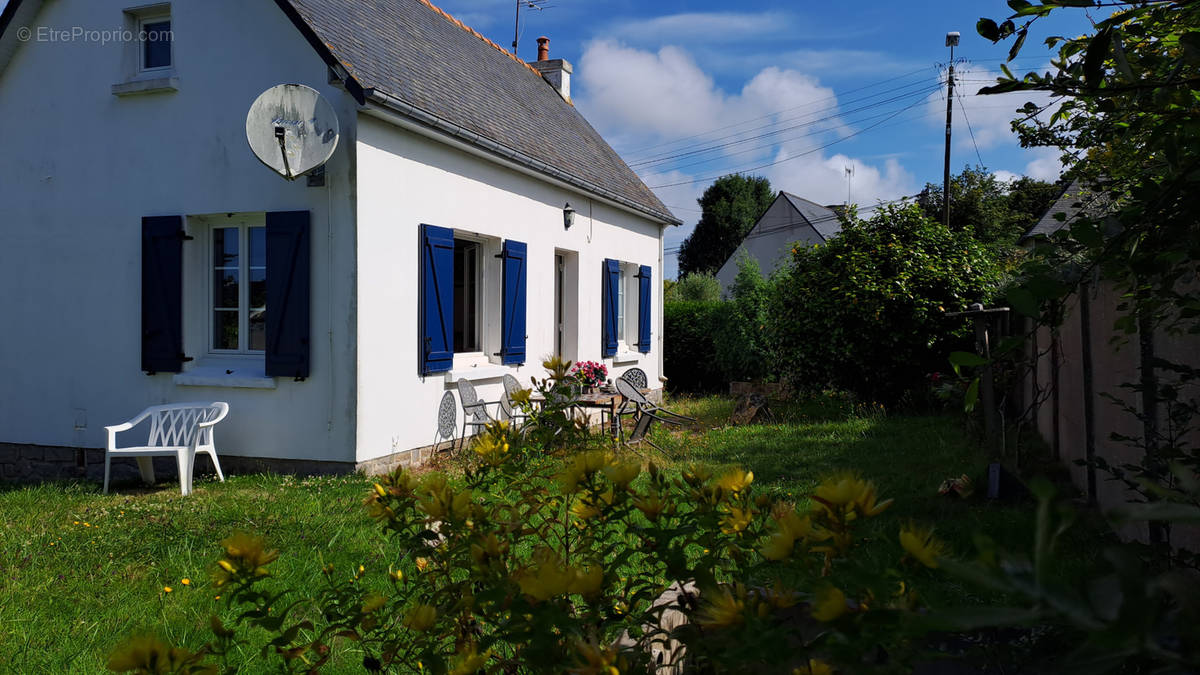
{"points": [[150, 257], [789, 219]]}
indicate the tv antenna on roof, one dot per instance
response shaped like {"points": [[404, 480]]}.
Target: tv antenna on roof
{"points": [[530, 4], [292, 129]]}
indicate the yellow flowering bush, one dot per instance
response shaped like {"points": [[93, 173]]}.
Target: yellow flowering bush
{"points": [[550, 559]]}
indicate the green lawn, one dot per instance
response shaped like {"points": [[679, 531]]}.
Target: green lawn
{"points": [[80, 570]]}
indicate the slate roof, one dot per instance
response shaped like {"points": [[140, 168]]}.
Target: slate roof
{"points": [[1075, 199], [445, 74], [822, 218]]}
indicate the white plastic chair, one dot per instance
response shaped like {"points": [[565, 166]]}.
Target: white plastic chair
{"points": [[176, 429]]}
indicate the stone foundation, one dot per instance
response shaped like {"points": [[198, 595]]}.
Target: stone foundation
{"points": [[22, 463]]}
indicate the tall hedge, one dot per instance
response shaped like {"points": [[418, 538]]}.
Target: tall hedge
{"points": [[689, 355], [866, 312]]}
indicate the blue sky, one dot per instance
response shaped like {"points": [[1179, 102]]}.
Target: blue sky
{"points": [[779, 85], [794, 91]]}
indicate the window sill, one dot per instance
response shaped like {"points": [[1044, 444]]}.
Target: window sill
{"points": [[477, 372], [146, 85], [626, 357], [232, 374]]}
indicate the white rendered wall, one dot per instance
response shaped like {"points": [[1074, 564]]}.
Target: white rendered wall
{"points": [[78, 170], [404, 180]]}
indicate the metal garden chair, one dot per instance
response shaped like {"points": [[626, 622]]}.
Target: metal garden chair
{"points": [[646, 413], [475, 413], [447, 419], [636, 377], [507, 408]]}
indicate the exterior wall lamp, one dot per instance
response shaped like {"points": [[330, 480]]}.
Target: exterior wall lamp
{"points": [[568, 216]]}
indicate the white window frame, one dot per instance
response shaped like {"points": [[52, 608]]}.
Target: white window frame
{"points": [[243, 226], [155, 14]]}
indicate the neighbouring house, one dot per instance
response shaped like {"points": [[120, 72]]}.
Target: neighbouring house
{"points": [[149, 257], [1081, 376], [788, 220]]}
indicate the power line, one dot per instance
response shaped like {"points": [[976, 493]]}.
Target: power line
{"points": [[722, 146], [966, 119], [808, 152], [786, 110], [661, 158]]}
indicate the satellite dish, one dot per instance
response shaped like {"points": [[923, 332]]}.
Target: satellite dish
{"points": [[292, 129]]}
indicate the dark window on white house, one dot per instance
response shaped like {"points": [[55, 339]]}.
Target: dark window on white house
{"points": [[467, 309], [156, 39], [239, 290]]}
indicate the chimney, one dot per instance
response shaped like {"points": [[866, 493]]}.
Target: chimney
{"points": [[555, 71]]}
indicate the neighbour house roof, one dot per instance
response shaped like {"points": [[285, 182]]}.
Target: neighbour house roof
{"points": [[823, 219], [414, 59], [1074, 200]]}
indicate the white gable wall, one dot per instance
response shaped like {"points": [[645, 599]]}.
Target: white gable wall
{"points": [[78, 170], [406, 179], [782, 226]]}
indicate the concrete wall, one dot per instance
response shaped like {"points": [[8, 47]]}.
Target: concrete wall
{"points": [[1114, 363], [406, 179], [78, 170], [783, 227]]}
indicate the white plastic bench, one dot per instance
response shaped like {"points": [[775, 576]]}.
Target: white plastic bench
{"points": [[176, 429]]}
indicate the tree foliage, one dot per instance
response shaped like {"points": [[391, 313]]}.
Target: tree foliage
{"points": [[694, 287], [742, 346], [1124, 113], [994, 212], [866, 311], [729, 209]]}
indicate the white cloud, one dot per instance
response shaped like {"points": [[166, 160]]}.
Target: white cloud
{"points": [[710, 27], [1046, 166], [644, 99]]}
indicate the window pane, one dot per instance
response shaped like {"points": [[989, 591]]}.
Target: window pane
{"points": [[621, 304], [466, 289], [258, 330], [258, 289], [225, 329], [225, 289], [258, 247], [156, 44], [225, 247]]}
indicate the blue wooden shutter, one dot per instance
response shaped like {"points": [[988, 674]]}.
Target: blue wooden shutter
{"points": [[610, 293], [512, 315], [437, 299], [288, 260], [162, 294], [644, 316]]}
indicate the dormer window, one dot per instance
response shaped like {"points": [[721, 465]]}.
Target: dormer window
{"points": [[155, 36]]}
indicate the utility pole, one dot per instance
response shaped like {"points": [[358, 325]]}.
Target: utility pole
{"points": [[951, 42], [517, 28], [849, 176]]}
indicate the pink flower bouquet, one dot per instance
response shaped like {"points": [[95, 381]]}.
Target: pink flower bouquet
{"points": [[589, 373]]}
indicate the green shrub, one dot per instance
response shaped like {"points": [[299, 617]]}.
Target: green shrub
{"points": [[689, 351], [694, 287], [742, 346], [866, 311]]}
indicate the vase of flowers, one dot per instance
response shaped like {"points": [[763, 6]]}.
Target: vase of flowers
{"points": [[589, 375]]}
